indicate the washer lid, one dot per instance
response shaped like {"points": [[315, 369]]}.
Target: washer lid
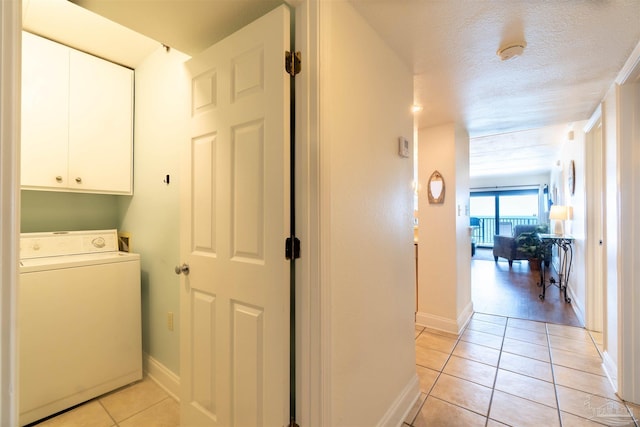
{"points": [[32, 265], [57, 243]]}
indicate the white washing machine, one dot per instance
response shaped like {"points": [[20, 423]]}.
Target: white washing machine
{"points": [[79, 322]]}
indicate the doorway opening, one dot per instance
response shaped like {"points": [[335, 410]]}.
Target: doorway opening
{"points": [[498, 288]]}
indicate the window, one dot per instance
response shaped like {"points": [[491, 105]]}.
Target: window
{"points": [[498, 212]]}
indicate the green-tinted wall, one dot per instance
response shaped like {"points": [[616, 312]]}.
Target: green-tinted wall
{"points": [[152, 215], [60, 211]]}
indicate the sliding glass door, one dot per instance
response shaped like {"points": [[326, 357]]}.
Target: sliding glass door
{"points": [[482, 208], [498, 212]]}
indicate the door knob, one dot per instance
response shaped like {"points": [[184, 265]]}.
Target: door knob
{"points": [[184, 269], [78, 180]]}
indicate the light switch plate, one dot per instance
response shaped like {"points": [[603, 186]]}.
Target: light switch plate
{"points": [[403, 147]]}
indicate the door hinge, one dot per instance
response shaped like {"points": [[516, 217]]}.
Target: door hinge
{"points": [[292, 248], [292, 62]]}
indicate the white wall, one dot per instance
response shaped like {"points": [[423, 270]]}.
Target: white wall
{"points": [[464, 307], [444, 255], [366, 93], [152, 214], [575, 150], [437, 253]]}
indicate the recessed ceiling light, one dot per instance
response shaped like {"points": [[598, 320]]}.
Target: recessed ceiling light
{"points": [[511, 51], [415, 108]]}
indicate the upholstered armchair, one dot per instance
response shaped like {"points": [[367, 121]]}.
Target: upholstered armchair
{"points": [[507, 246]]}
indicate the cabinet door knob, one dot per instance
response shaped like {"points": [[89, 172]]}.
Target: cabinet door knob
{"points": [[78, 180], [58, 178]]}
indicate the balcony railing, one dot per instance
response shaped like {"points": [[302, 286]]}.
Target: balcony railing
{"points": [[484, 227]]}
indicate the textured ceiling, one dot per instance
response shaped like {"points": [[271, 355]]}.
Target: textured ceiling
{"points": [[574, 51], [575, 48], [525, 152]]}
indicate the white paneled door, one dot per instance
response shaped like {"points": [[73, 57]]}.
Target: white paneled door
{"points": [[235, 297]]}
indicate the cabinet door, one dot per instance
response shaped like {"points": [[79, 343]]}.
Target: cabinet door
{"points": [[45, 104], [101, 125]]}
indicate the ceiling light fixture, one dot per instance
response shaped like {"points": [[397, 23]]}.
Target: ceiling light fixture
{"points": [[416, 108], [511, 51]]}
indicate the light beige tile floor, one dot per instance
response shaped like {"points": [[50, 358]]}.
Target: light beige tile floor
{"points": [[512, 372], [142, 404], [500, 371]]}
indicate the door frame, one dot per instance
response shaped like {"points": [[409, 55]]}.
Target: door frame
{"points": [[595, 219], [628, 176], [10, 90], [313, 317]]}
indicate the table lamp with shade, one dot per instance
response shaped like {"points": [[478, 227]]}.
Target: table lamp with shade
{"points": [[559, 214]]}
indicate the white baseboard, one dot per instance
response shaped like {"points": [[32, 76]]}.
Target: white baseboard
{"points": [[578, 309], [439, 323], [464, 317], [445, 324], [397, 413], [162, 375], [611, 369]]}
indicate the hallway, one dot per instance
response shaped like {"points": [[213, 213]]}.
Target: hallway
{"points": [[515, 372]]}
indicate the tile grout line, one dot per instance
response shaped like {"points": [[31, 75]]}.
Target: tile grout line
{"points": [[429, 391], [458, 339], [440, 372], [495, 378], [553, 382], [437, 376], [592, 340], [498, 368], [116, 424], [553, 374], [139, 412]]}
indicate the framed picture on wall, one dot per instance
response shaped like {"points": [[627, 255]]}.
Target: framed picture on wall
{"points": [[571, 177]]}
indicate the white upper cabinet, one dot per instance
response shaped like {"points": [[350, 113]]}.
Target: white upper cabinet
{"points": [[77, 120], [100, 124], [45, 112]]}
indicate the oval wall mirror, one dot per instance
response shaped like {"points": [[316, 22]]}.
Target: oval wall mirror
{"points": [[436, 188]]}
